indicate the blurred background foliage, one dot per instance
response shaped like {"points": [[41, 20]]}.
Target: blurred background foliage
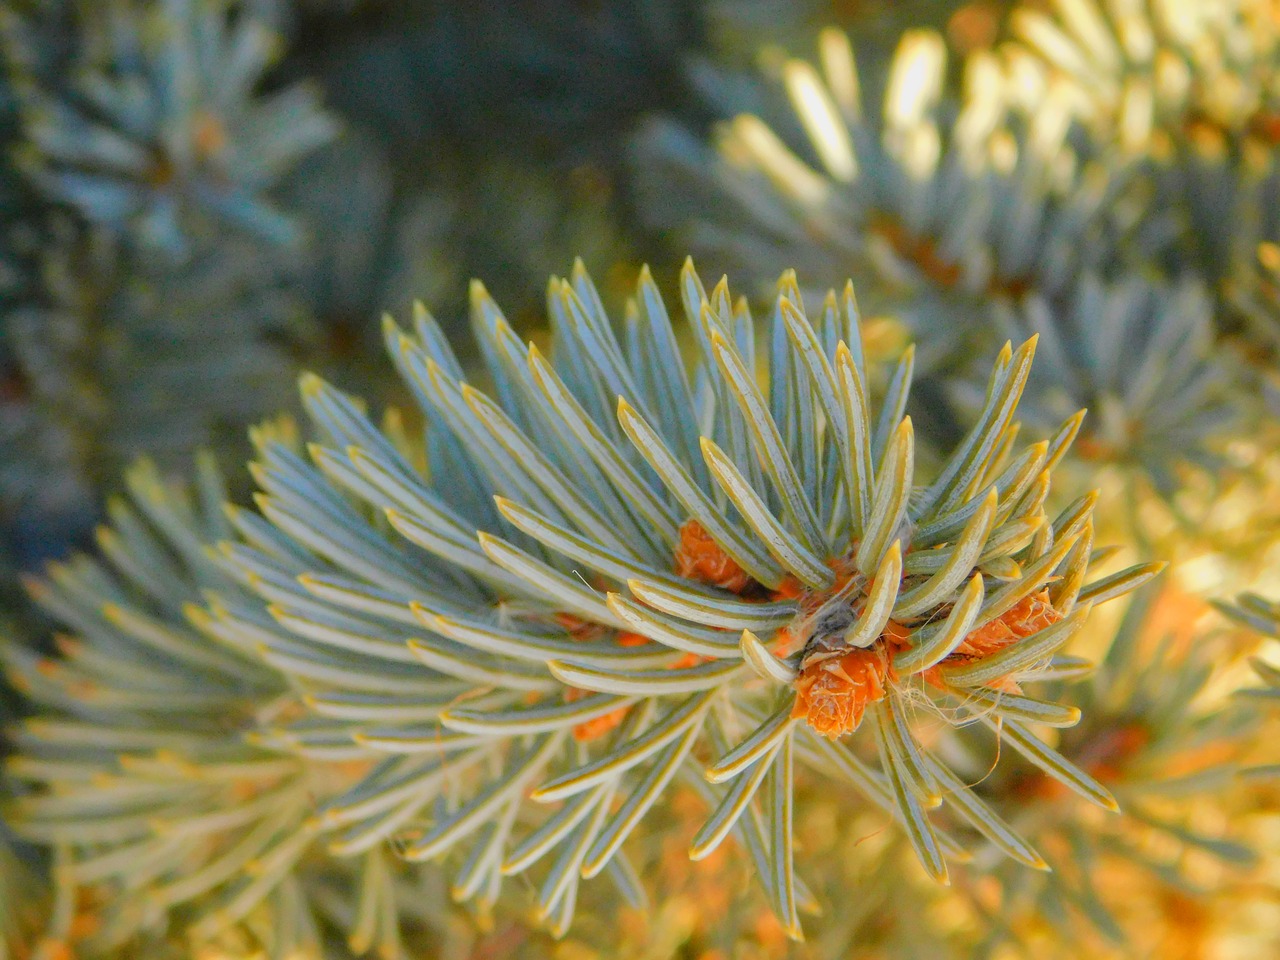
{"points": [[199, 199]]}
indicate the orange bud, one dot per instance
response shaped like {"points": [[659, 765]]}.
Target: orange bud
{"points": [[1030, 615], [833, 694], [700, 558]]}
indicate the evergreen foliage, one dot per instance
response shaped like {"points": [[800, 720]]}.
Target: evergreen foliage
{"points": [[1188, 89], [956, 214], [1158, 740], [105, 313], [155, 123], [156, 245], [786, 612], [738, 647], [1261, 615], [1139, 355], [140, 767]]}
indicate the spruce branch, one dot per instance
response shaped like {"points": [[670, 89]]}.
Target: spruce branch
{"points": [[1139, 354], [116, 355], [157, 126], [678, 569], [1154, 733], [139, 765], [1263, 617], [959, 216], [1188, 90]]}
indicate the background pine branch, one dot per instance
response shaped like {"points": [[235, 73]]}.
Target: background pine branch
{"points": [[809, 604]]}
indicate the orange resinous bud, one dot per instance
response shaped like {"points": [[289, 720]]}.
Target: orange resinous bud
{"points": [[596, 727], [833, 694], [600, 726], [1030, 615], [700, 558]]}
